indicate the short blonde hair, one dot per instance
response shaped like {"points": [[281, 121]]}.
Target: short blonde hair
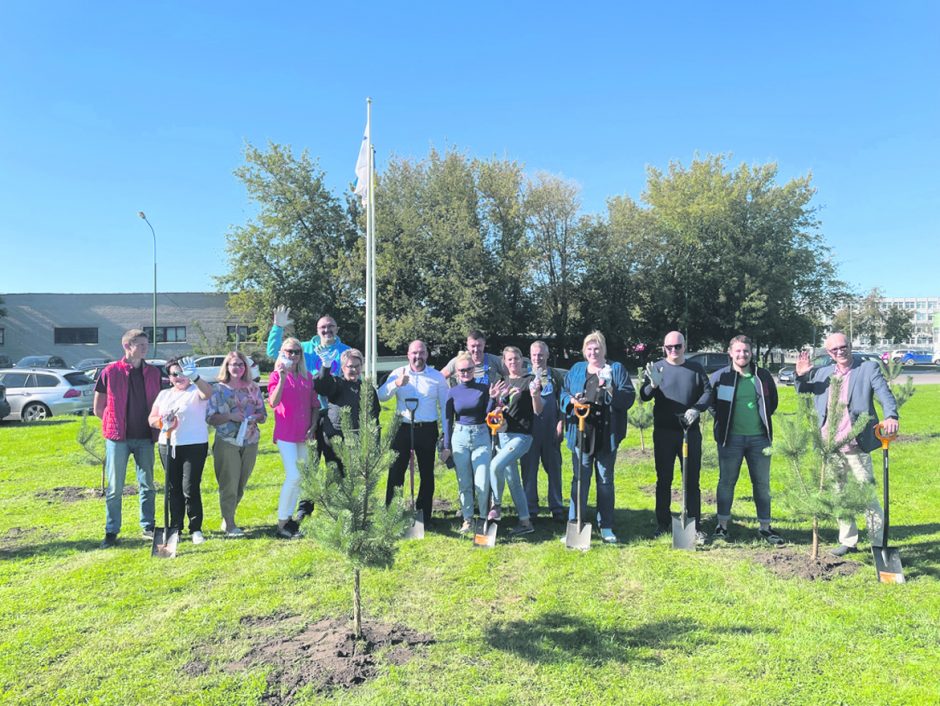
{"points": [[225, 376], [132, 334], [595, 337], [463, 355], [300, 365], [512, 349], [351, 353]]}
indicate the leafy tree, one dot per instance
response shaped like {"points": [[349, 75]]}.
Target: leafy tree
{"points": [[861, 317], [820, 484], [357, 523], [897, 324]]}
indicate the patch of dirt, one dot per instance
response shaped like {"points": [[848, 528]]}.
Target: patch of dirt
{"points": [[635, 454], [73, 493], [442, 506], [195, 667], [326, 656], [708, 496], [793, 563]]}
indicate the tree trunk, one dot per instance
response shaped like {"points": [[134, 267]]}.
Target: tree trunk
{"points": [[357, 606], [814, 552], [642, 442]]}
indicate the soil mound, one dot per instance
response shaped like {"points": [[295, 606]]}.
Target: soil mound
{"points": [[790, 564]]}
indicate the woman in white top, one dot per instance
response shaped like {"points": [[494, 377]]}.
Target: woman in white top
{"points": [[180, 414]]}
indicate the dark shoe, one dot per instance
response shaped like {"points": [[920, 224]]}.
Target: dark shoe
{"points": [[109, 541], [147, 533], [721, 533], [496, 514], [842, 550], [661, 532], [524, 527], [771, 537], [560, 516]]}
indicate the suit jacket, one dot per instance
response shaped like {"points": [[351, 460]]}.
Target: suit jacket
{"points": [[865, 384]]}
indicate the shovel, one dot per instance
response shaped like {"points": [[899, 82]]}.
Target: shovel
{"points": [[165, 538], [887, 560], [486, 530], [578, 534], [416, 531], [683, 528]]}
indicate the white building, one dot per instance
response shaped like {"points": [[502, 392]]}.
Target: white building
{"points": [[77, 326], [925, 318]]}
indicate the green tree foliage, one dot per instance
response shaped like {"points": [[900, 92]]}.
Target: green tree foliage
{"points": [[641, 416], [897, 324], [861, 317], [891, 370], [819, 484], [352, 518], [297, 247]]}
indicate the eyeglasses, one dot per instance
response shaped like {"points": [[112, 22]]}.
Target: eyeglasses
{"points": [[176, 375], [838, 349], [673, 346], [292, 351], [236, 364], [464, 370]]}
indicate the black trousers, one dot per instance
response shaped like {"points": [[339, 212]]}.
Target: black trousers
{"points": [[425, 441], [667, 447], [326, 450], [183, 481]]}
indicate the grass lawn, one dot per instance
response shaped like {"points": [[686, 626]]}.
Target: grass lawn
{"points": [[526, 623]]}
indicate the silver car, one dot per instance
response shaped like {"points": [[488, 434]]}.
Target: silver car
{"points": [[208, 367], [37, 394]]}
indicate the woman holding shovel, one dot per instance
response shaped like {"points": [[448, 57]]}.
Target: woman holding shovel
{"points": [[180, 414], [236, 408], [292, 397], [606, 387]]}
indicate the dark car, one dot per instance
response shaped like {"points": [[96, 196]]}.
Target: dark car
{"points": [[4, 405], [90, 363], [787, 374], [42, 361], [6, 361], [712, 362]]}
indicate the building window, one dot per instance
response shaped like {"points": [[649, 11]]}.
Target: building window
{"points": [[240, 333], [167, 334], [75, 334], [1, 336]]}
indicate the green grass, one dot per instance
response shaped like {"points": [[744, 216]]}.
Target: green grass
{"points": [[526, 623]]}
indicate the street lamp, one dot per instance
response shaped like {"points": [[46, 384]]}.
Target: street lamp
{"points": [[144, 217]]}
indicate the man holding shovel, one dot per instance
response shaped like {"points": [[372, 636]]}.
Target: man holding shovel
{"points": [[861, 382], [416, 381], [679, 388]]}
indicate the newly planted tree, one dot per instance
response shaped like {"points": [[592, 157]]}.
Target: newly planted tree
{"points": [[89, 438], [641, 415], [351, 514], [820, 484], [891, 370]]}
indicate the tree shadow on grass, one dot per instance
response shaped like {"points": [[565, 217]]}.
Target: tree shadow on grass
{"points": [[557, 637]]}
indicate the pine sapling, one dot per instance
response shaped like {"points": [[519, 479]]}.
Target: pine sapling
{"points": [[891, 370], [89, 438], [641, 416]]}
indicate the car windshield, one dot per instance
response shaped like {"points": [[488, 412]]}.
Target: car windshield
{"points": [[31, 361], [79, 379]]}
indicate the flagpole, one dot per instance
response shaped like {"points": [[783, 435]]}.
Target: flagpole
{"points": [[375, 343], [370, 265]]}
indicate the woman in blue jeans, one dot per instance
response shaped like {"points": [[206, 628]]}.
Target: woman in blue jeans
{"points": [[607, 388], [519, 397], [467, 438]]}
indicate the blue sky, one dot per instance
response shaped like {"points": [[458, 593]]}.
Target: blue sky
{"points": [[110, 108]]}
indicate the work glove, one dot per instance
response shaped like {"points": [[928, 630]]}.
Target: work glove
{"points": [[535, 387], [188, 367], [690, 416], [327, 354], [654, 374], [282, 316], [606, 376]]}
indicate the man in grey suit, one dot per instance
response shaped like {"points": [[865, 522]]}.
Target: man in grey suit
{"points": [[861, 382]]}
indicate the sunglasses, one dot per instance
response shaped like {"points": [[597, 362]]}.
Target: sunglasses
{"points": [[673, 347], [464, 370], [292, 351], [176, 375], [839, 349]]}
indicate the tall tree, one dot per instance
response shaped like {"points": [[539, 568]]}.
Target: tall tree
{"points": [[861, 317], [897, 324]]}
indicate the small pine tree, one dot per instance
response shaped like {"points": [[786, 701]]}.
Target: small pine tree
{"points": [[891, 370], [357, 524], [820, 484], [89, 438], [641, 415]]}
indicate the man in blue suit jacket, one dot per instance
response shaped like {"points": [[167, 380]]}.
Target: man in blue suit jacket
{"points": [[862, 381]]}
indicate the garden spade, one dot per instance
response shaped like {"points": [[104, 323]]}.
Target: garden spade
{"points": [[683, 527], [887, 560], [486, 531], [165, 538], [416, 531], [578, 534]]}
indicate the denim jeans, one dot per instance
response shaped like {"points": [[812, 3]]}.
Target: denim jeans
{"points": [[470, 445], [504, 468], [730, 457], [116, 455], [603, 463]]}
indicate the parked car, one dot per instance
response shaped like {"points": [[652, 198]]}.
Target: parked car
{"points": [[43, 361], [39, 393], [787, 374], [6, 361], [712, 362], [911, 357], [89, 363], [4, 405], [208, 367]]}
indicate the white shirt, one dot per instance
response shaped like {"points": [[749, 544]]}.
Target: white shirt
{"points": [[190, 409], [429, 386]]}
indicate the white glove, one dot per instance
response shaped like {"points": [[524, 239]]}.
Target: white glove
{"points": [[282, 316], [327, 354], [654, 374], [690, 416], [606, 376], [188, 367]]}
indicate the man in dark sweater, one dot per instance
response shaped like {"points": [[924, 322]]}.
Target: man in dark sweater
{"points": [[681, 392]]}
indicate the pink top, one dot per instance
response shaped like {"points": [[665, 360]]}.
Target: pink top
{"points": [[292, 416]]}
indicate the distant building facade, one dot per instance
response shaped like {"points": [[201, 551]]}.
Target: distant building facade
{"points": [[77, 326], [924, 313]]}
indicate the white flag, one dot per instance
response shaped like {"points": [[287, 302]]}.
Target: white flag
{"points": [[362, 169]]}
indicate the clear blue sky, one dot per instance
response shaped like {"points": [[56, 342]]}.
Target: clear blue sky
{"points": [[110, 108]]}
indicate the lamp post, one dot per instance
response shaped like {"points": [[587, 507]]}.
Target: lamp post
{"points": [[144, 218]]}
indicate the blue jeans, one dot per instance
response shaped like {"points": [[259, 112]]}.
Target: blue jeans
{"points": [[603, 463], [470, 445], [545, 448], [116, 455], [730, 457], [504, 467]]}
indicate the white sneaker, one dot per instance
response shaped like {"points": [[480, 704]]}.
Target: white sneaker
{"points": [[198, 538]]}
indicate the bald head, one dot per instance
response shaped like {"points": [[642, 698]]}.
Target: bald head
{"points": [[674, 348]]}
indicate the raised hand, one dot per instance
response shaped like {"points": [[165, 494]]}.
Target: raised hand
{"points": [[282, 316], [803, 363], [654, 374], [402, 380], [188, 368]]}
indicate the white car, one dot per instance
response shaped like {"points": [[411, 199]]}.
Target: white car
{"points": [[208, 367], [38, 393]]}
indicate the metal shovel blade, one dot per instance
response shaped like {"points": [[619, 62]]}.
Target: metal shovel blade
{"points": [[578, 536], [164, 542], [888, 564], [486, 535], [683, 532], [416, 531]]}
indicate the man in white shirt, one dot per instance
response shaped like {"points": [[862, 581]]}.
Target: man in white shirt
{"points": [[429, 387]]}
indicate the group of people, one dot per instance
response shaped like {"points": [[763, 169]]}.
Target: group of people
{"points": [[495, 419]]}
